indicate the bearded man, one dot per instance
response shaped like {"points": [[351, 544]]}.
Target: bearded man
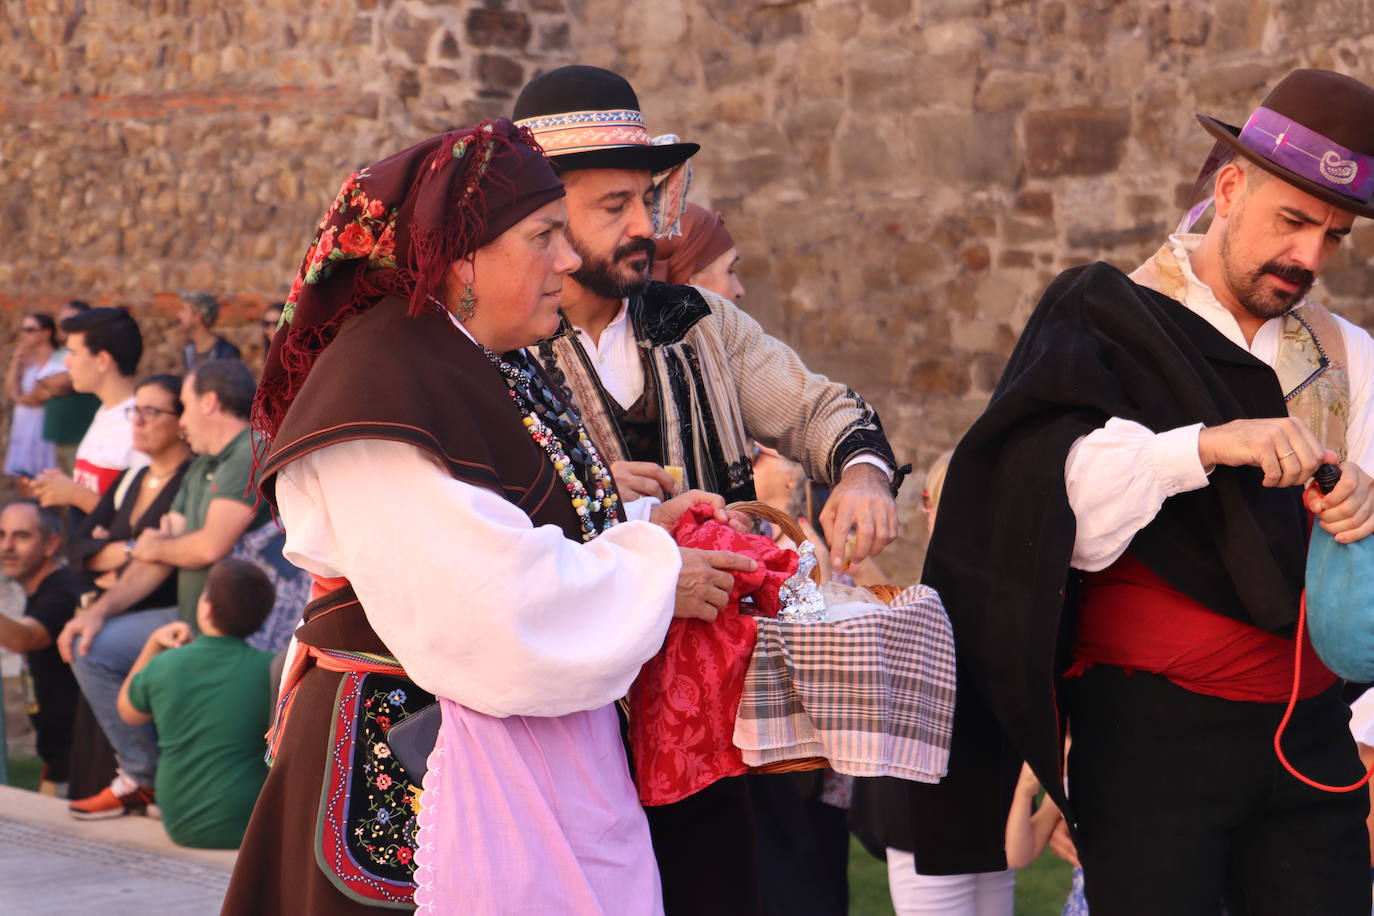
{"points": [[1130, 542], [678, 376]]}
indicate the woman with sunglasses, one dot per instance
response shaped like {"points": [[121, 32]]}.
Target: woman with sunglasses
{"points": [[32, 360]]}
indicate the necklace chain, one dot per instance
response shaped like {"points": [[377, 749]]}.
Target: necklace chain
{"points": [[552, 426]]}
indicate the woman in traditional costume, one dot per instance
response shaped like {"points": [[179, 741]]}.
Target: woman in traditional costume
{"points": [[468, 545]]}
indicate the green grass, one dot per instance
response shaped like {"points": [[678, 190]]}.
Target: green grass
{"points": [[24, 772], [1040, 889]]}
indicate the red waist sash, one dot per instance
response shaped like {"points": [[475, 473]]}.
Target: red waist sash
{"points": [[1133, 619]]}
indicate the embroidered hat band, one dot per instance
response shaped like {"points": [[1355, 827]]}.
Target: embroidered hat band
{"points": [[1305, 152]]}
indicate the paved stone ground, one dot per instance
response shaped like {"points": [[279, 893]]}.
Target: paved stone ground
{"points": [[51, 865]]}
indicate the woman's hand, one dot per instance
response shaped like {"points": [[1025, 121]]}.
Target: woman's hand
{"points": [[668, 513], [53, 488], [706, 580]]}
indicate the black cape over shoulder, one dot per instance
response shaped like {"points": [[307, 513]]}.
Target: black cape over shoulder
{"points": [[1097, 346]]}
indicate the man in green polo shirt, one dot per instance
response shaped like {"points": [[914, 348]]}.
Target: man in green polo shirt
{"points": [[210, 515]]}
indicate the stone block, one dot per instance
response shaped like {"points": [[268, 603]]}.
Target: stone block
{"points": [[1189, 23], [948, 376], [962, 149], [408, 34], [496, 71], [976, 258], [1011, 90], [497, 28], [556, 37], [1075, 141], [1097, 240], [1039, 204]]}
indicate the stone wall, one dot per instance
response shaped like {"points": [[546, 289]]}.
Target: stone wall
{"points": [[158, 145], [903, 176]]}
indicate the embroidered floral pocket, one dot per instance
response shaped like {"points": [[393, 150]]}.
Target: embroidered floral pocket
{"points": [[368, 807]]}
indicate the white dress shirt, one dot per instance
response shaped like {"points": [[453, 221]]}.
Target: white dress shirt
{"points": [[1119, 476]]}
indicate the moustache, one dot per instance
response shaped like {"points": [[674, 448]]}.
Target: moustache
{"points": [[635, 247], [1292, 273]]}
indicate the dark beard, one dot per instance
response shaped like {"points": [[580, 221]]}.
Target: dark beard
{"points": [[606, 277], [1257, 297], [1264, 301]]}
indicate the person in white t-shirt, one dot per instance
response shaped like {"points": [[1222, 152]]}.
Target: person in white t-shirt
{"points": [[103, 349]]}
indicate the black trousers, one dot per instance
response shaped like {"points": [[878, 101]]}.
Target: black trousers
{"points": [[1183, 807], [707, 852]]}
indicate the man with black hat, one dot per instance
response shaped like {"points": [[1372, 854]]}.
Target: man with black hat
{"points": [[677, 376], [1129, 551]]}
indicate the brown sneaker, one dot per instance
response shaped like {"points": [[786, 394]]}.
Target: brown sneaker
{"points": [[110, 803]]}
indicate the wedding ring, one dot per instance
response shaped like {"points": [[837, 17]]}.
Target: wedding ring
{"points": [[1286, 454]]}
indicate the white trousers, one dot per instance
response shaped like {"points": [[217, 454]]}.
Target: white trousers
{"points": [[984, 894]]}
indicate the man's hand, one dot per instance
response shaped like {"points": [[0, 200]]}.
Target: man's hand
{"points": [[641, 478], [1348, 510], [861, 503], [172, 635], [1283, 447], [84, 625], [53, 488], [667, 514], [705, 582], [148, 547], [173, 524]]}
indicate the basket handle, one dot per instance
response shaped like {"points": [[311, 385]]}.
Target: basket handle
{"points": [[778, 517]]}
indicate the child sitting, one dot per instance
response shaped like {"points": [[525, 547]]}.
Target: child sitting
{"points": [[209, 700]]}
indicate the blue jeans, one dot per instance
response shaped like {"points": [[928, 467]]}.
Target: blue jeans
{"points": [[100, 675]]}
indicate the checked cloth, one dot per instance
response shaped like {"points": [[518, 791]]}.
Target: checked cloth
{"points": [[873, 694]]}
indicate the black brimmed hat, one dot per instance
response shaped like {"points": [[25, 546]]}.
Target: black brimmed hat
{"points": [[1315, 130], [589, 118]]}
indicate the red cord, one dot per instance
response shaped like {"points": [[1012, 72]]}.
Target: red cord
{"points": [[1288, 714]]}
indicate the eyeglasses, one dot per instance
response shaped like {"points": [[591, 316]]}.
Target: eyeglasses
{"points": [[147, 414], [269, 324], [29, 330]]}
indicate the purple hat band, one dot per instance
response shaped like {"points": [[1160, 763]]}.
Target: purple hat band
{"points": [[1308, 154]]}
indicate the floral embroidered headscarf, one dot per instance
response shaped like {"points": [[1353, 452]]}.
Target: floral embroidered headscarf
{"points": [[393, 230]]}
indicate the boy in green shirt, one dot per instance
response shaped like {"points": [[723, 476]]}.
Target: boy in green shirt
{"points": [[209, 698]]}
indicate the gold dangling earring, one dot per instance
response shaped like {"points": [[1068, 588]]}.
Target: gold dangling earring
{"points": [[467, 303]]}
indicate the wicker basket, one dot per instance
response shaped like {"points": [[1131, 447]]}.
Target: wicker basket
{"points": [[790, 528]]}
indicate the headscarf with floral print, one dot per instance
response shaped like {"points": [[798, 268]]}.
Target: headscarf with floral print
{"points": [[394, 230]]}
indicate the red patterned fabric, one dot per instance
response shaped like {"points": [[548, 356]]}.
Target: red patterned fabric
{"points": [[683, 704]]}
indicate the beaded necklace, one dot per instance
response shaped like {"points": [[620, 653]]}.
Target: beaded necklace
{"points": [[554, 428]]}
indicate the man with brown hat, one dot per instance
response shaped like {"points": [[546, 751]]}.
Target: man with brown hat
{"points": [[1130, 547], [677, 376]]}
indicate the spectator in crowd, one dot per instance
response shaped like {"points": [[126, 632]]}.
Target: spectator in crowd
{"points": [[704, 255], [30, 553], [208, 698], [103, 349], [209, 515], [199, 312], [271, 317], [33, 359], [139, 497], [67, 414]]}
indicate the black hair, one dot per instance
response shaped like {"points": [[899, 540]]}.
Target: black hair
{"points": [[112, 331], [230, 381], [78, 305], [240, 596], [168, 383], [45, 321]]}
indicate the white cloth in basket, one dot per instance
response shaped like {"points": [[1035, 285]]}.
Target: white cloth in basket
{"points": [[873, 693]]}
